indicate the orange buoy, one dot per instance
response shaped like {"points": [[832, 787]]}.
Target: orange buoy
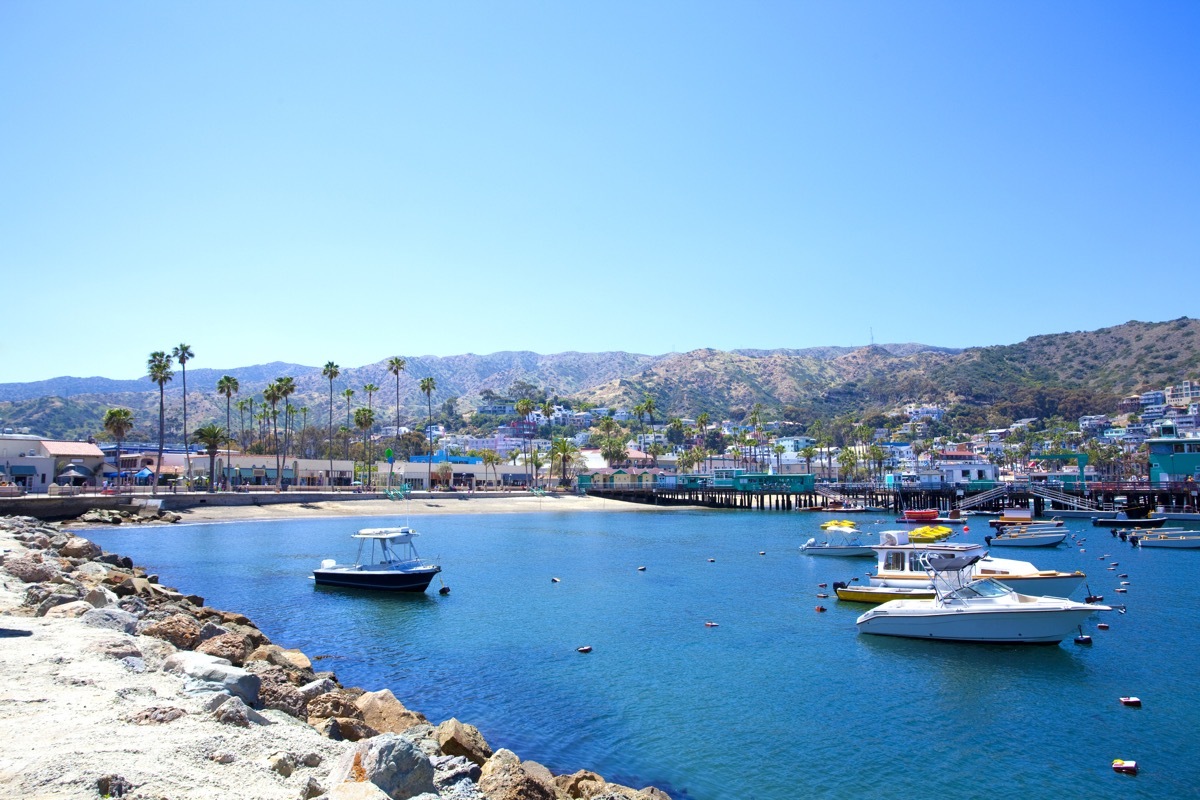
{"points": [[966, 528], [820, 609]]}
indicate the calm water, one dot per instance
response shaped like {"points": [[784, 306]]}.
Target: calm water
{"points": [[778, 702]]}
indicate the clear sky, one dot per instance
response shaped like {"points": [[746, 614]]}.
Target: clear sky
{"points": [[302, 181]]}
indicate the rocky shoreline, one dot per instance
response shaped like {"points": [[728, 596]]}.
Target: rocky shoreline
{"points": [[165, 698]]}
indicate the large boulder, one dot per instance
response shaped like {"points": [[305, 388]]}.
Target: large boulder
{"points": [[178, 629], [76, 608], [111, 618], [391, 762], [345, 729], [503, 778], [31, 569], [232, 647], [383, 712], [78, 547], [582, 784], [460, 739], [210, 674], [337, 703]]}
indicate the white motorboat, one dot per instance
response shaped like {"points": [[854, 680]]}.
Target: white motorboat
{"points": [[1033, 536], [900, 564], [1171, 539], [391, 563], [842, 541], [975, 610]]}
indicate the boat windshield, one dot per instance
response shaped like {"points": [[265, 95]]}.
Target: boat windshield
{"points": [[985, 587]]}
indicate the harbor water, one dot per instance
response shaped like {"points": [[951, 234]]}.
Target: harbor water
{"points": [[777, 701]]}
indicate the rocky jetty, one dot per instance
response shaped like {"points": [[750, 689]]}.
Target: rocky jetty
{"points": [[236, 712]]}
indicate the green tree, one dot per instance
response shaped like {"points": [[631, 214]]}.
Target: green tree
{"points": [[227, 387], [158, 369], [808, 453], [287, 387], [348, 393], [524, 408], [848, 463], [182, 353], [565, 451], [272, 396], [331, 371], [491, 459], [779, 450], [427, 386], [213, 437], [118, 422], [649, 406], [613, 449], [396, 365]]}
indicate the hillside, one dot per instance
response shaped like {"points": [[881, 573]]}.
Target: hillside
{"points": [[1054, 373]]}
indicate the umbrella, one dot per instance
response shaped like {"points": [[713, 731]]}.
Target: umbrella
{"points": [[144, 472], [73, 473]]}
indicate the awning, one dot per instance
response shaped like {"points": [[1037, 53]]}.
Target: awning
{"points": [[22, 469], [144, 472]]}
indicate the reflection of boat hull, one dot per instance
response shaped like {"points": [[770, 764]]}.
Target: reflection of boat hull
{"points": [[397, 580], [1043, 622], [1148, 522], [1176, 542]]}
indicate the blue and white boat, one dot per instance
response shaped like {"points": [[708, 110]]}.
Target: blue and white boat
{"points": [[390, 564]]}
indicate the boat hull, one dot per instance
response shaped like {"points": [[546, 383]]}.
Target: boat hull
{"points": [[846, 551], [1035, 626], [1057, 585], [417, 580], [1180, 543], [1149, 522], [1040, 540], [882, 594]]}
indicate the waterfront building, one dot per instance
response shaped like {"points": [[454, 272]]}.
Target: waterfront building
{"points": [[1173, 457]]}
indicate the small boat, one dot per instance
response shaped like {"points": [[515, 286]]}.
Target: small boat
{"points": [[1022, 517], [1026, 537], [1172, 540], [1131, 517], [837, 523], [967, 609], [396, 567], [900, 564], [879, 594], [842, 541], [920, 514]]}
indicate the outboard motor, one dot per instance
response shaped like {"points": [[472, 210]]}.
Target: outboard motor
{"points": [[1123, 535], [988, 540], [839, 585], [1134, 539]]}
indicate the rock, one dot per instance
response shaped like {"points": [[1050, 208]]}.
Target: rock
{"points": [[222, 757], [539, 772], [134, 605], [75, 608], [311, 789], [580, 784], [117, 648], [383, 712], [134, 664], [424, 736], [391, 762], [282, 763], [345, 729], [101, 597], [317, 687], [277, 692], [332, 704], [91, 573], [30, 571], [356, 791], [209, 630], [295, 662], [113, 786], [157, 715], [217, 674], [181, 631], [311, 759], [460, 739], [449, 770], [78, 547], [503, 778], [57, 599], [234, 712], [111, 618], [653, 793], [232, 647]]}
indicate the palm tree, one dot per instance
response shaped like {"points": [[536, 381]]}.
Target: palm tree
{"points": [[118, 422], [490, 459], [347, 393], [649, 406], [287, 387], [547, 410], [427, 386], [303, 430], [396, 365], [524, 408], [808, 453], [330, 371], [565, 450], [240, 405], [158, 369], [228, 386], [182, 353], [702, 423], [364, 420], [272, 395], [779, 450], [212, 436], [848, 462]]}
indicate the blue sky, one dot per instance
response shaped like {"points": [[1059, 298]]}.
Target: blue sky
{"points": [[312, 181]]}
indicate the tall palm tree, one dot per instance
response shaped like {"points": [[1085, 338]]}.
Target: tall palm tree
{"points": [[490, 459], [228, 386], [779, 450], [158, 369], [118, 422], [212, 436], [427, 387], [565, 450], [287, 387], [182, 353], [331, 371], [347, 393], [524, 409], [303, 429], [271, 395], [808, 453], [649, 406], [547, 410], [396, 365], [364, 420]]}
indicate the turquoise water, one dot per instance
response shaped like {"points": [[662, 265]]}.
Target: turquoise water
{"points": [[778, 702]]}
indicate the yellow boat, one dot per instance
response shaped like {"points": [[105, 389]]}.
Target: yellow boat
{"points": [[930, 533], [880, 594], [837, 523]]}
